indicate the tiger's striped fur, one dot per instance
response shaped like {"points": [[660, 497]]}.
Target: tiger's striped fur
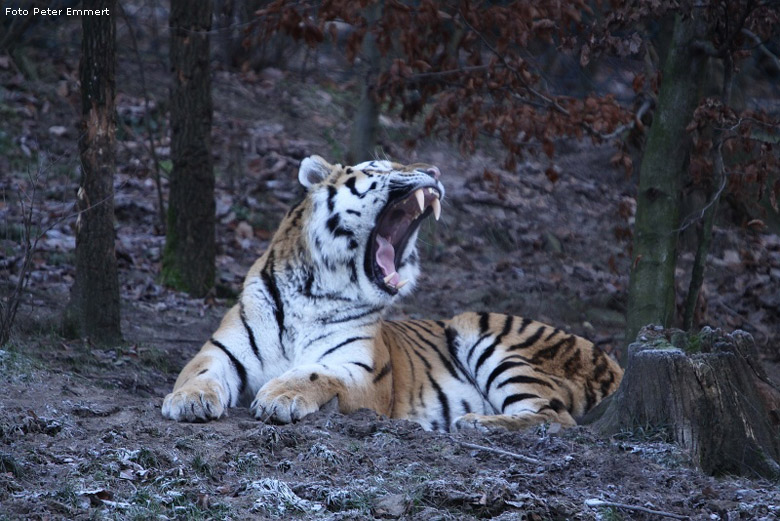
{"points": [[308, 326]]}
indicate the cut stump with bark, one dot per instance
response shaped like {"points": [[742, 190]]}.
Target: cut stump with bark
{"points": [[717, 402]]}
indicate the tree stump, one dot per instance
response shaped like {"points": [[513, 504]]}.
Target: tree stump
{"points": [[715, 402]]}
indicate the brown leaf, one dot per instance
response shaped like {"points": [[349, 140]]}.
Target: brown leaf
{"points": [[638, 83], [548, 148]]}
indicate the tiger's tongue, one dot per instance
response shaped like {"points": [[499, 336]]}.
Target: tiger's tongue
{"points": [[385, 257]]}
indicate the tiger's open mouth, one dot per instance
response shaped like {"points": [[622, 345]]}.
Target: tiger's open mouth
{"points": [[397, 222]]}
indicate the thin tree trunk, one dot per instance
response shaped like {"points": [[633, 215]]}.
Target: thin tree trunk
{"points": [[93, 310], [651, 290], [363, 137], [188, 260], [711, 210]]}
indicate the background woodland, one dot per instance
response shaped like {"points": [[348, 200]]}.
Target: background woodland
{"points": [[608, 166]]}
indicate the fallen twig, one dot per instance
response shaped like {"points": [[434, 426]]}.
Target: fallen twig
{"points": [[503, 452], [601, 503]]}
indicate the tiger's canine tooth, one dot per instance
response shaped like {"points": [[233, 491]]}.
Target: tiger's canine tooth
{"points": [[387, 279], [402, 284], [436, 205], [420, 196]]}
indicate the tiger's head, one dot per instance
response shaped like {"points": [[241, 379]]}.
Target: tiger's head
{"points": [[364, 222]]}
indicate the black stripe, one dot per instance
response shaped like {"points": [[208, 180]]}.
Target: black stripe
{"points": [[523, 325], [410, 345], [353, 317], [270, 283], [350, 183], [500, 368], [522, 379], [422, 325], [296, 218], [445, 406], [367, 367], [513, 398], [451, 336], [411, 370], [492, 347], [484, 356], [555, 404], [250, 333], [331, 196], [466, 407], [353, 275], [471, 351], [342, 344], [413, 346], [238, 367], [354, 212], [528, 342], [333, 222], [548, 353], [590, 398], [484, 319], [309, 284], [446, 363], [573, 364], [342, 232], [383, 372], [607, 383], [324, 335]]}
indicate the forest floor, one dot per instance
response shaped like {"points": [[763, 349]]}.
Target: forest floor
{"points": [[81, 434]]}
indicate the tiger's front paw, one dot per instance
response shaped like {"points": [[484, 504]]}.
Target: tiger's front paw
{"points": [[195, 402], [279, 403]]}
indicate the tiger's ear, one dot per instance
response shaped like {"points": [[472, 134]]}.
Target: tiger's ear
{"points": [[313, 170]]}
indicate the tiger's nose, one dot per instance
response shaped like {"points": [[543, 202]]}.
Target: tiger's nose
{"points": [[434, 172]]}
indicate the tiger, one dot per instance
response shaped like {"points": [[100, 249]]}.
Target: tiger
{"points": [[308, 327]]}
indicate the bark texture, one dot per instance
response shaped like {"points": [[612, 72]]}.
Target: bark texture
{"points": [[651, 288], [93, 310], [718, 404], [188, 259], [363, 138]]}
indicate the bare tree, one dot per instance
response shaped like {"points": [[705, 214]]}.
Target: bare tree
{"points": [[188, 259], [93, 310]]}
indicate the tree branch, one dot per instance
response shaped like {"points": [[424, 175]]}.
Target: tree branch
{"points": [[600, 503], [763, 48], [503, 452]]}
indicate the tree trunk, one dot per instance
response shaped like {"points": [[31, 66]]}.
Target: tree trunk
{"points": [[651, 288], [363, 137], [718, 403], [93, 310], [188, 259]]}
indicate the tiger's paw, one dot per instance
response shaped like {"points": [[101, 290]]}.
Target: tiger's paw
{"points": [[195, 402], [277, 403], [479, 422]]}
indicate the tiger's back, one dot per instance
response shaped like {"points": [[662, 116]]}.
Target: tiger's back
{"points": [[494, 370]]}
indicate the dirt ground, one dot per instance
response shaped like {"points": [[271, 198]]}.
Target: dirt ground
{"points": [[81, 435]]}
